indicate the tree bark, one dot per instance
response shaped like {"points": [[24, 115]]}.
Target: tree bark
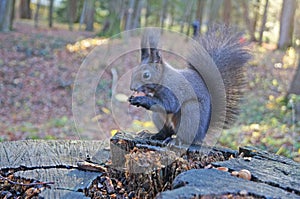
{"points": [[287, 23], [12, 15], [25, 11], [256, 16], [185, 18], [172, 15], [249, 23], [163, 13], [227, 11], [295, 89], [51, 13], [6, 8], [263, 23], [129, 15], [137, 14], [200, 12], [89, 12], [36, 15], [122, 11], [148, 13], [72, 12], [112, 23], [214, 11], [295, 86], [82, 16], [189, 18]]}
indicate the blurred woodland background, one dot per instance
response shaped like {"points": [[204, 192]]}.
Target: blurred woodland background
{"points": [[43, 43]]}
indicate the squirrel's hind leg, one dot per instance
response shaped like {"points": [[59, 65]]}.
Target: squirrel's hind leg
{"points": [[164, 124]]}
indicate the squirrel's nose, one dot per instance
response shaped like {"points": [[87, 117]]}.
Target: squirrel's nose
{"points": [[132, 87]]}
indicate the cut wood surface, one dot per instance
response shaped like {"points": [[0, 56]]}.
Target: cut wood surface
{"points": [[67, 182], [212, 182], [268, 169], [272, 176], [54, 161], [39, 153]]}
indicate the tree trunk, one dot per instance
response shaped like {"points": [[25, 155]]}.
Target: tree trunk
{"points": [[214, 11], [89, 13], [36, 15], [129, 15], [185, 18], [249, 23], [263, 23], [82, 16], [256, 16], [12, 15], [295, 89], [51, 13], [148, 12], [112, 23], [6, 8], [189, 18], [137, 14], [122, 17], [25, 11], [287, 23], [295, 86], [72, 12], [227, 11], [163, 13], [200, 13], [172, 15]]}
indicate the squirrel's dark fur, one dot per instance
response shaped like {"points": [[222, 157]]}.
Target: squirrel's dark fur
{"points": [[165, 87]]}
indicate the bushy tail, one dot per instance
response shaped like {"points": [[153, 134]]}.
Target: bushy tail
{"points": [[229, 51]]}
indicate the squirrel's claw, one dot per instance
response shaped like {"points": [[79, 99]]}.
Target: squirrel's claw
{"points": [[168, 141], [143, 101]]}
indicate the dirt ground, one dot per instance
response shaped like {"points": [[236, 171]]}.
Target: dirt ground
{"points": [[38, 67], [36, 76]]}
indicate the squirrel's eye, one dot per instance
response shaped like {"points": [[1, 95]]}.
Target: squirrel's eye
{"points": [[146, 75]]}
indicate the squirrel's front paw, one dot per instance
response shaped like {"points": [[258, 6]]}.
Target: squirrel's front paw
{"points": [[136, 101], [140, 101]]}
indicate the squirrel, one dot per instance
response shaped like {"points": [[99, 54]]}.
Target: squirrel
{"points": [[164, 87]]}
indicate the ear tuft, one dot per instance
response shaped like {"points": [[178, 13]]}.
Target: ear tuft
{"points": [[150, 36]]}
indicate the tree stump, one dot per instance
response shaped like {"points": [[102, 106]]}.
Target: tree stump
{"points": [[54, 161], [208, 172]]}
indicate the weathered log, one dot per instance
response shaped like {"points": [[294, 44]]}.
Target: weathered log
{"points": [[122, 143], [267, 168], [272, 176], [68, 183], [42, 154], [54, 161], [212, 182], [249, 151]]}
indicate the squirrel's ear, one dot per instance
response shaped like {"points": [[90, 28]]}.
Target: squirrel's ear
{"points": [[150, 36], [155, 56], [144, 54], [144, 48]]}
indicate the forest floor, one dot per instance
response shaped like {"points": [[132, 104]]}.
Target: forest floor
{"points": [[38, 68]]}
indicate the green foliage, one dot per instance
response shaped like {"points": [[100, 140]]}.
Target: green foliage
{"points": [[61, 12], [25, 127], [101, 11], [59, 122], [267, 118]]}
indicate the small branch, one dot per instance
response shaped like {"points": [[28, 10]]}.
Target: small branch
{"points": [[22, 184], [89, 166]]}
